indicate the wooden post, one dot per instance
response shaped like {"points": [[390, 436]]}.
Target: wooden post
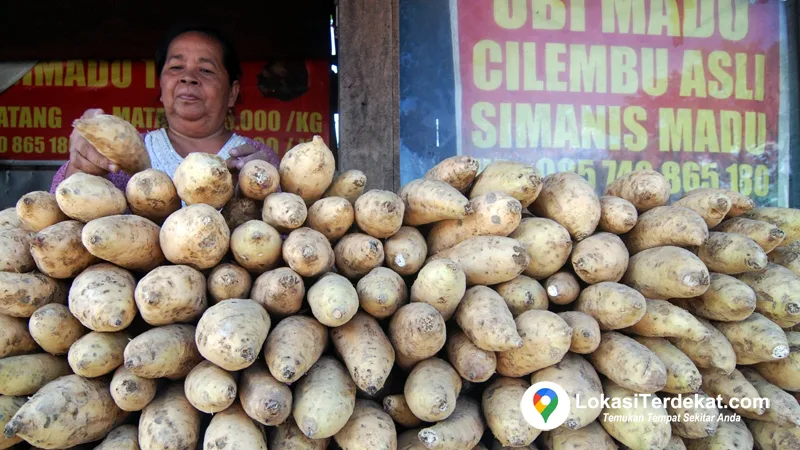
{"points": [[369, 70]]}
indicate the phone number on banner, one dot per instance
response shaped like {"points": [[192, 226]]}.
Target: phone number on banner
{"points": [[746, 179]]}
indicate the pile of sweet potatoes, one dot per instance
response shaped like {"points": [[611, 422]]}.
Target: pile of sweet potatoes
{"points": [[301, 310]]}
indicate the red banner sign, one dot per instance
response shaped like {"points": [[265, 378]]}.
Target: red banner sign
{"points": [[690, 88], [280, 103]]}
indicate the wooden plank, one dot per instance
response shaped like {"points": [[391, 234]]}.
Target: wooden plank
{"points": [[369, 90]]}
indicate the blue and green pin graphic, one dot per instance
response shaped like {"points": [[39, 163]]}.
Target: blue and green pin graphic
{"points": [[545, 400], [545, 405]]}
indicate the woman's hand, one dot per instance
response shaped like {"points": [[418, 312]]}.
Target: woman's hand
{"points": [[243, 154], [83, 157]]}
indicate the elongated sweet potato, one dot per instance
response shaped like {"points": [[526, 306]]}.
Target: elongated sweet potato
{"points": [[15, 339], [562, 288], [77, 410], [740, 204], [765, 234], [500, 403], [590, 437], [55, 329], [617, 215], [265, 399], [279, 291], [27, 374], [289, 437], [457, 171], [9, 219], [441, 283], [731, 254], [365, 350], [784, 373], [103, 298], [324, 399], [522, 294], [307, 170], [519, 180], [571, 201], [21, 294], [152, 195], [16, 255], [116, 139], [726, 300], [788, 257], [469, 360], [629, 363], [397, 408], [379, 213], [621, 422], [488, 260], [495, 214], [783, 408], [548, 240], [131, 392], [712, 206], [96, 354], [585, 331], [171, 294], [196, 236], [486, 319], [667, 272], [538, 329], [777, 292], [417, 331], [349, 185], [405, 251], [714, 353], [663, 319], [667, 225], [308, 252], [164, 352], [580, 380], [38, 210], [787, 219], [683, 377], [600, 257], [256, 246], [124, 437], [755, 339], [87, 197], [461, 429], [729, 386], [59, 252], [428, 201], [645, 189], [204, 178], [731, 433], [431, 390], [129, 241], [333, 300], [696, 420], [331, 216], [229, 281], [210, 388], [357, 254], [284, 211], [232, 429], [293, 346], [613, 305], [9, 406], [381, 292], [369, 428], [169, 422], [230, 334]]}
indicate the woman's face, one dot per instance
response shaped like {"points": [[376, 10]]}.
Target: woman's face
{"points": [[195, 88]]}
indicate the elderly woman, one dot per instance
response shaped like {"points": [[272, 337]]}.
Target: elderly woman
{"points": [[199, 78]]}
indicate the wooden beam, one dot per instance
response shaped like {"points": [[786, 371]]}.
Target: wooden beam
{"points": [[369, 67]]}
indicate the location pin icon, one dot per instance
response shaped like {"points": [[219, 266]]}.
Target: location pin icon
{"points": [[545, 401]]}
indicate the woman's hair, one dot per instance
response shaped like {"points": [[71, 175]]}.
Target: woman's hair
{"points": [[230, 59]]}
